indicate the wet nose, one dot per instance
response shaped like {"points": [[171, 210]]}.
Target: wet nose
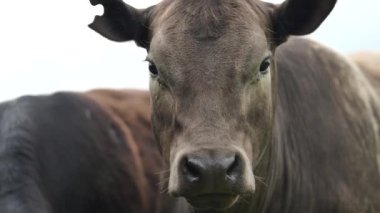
{"points": [[211, 170]]}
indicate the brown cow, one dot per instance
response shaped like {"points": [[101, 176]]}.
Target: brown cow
{"points": [[78, 153], [247, 125], [369, 62]]}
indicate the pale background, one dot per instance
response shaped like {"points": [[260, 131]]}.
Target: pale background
{"points": [[46, 46]]}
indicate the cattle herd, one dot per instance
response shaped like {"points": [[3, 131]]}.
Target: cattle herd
{"points": [[241, 116]]}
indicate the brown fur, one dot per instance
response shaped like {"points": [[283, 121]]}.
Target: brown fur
{"points": [[320, 165], [131, 112], [369, 62], [301, 119], [206, 20]]}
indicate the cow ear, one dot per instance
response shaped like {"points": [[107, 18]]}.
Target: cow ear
{"points": [[300, 17], [121, 22]]}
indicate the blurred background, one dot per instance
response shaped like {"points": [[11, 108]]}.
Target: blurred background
{"points": [[46, 46]]}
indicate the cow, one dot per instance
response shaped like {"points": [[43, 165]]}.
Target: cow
{"points": [[248, 116], [71, 152], [369, 62]]}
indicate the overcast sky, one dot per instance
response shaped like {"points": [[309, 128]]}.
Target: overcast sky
{"points": [[46, 46]]}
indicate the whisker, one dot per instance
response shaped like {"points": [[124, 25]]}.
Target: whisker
{"points": [[162, 172], [261, 180], [163, 182], [164, 190], [244, 200]]}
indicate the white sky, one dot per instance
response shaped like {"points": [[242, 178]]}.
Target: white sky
{"points": [[46, 46]]}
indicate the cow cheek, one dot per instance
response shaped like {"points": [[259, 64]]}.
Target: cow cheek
{"points": [[163, 115], [258, 117]]}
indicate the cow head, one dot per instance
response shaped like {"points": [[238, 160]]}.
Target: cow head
{"points": [[213, 84]]}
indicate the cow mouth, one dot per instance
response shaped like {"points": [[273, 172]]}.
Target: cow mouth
{"points": [[213, 201]]}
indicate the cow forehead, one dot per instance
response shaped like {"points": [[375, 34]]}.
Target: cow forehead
{"points": [[210, 18], [209, 28], [236, 50]]}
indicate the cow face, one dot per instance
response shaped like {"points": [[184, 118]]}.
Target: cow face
{"points": [[212, 84]]}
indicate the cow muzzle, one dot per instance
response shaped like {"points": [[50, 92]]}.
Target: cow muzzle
{"points": [[211, 179]]}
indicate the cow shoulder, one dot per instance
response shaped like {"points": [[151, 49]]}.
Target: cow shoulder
{"points": [[325, 117]]}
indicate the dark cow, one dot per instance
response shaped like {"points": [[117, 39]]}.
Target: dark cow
{"points": [[78, 153], [247, 125]]}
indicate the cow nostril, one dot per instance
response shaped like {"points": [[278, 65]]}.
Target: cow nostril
{"points": [[191, 170], [233, 171], [219, 168]]}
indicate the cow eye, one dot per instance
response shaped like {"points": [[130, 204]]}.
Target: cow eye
{"points": [[153, 70], [264, 66]]}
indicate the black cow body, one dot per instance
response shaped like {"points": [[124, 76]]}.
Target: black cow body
{"points": [[64, 153]]}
